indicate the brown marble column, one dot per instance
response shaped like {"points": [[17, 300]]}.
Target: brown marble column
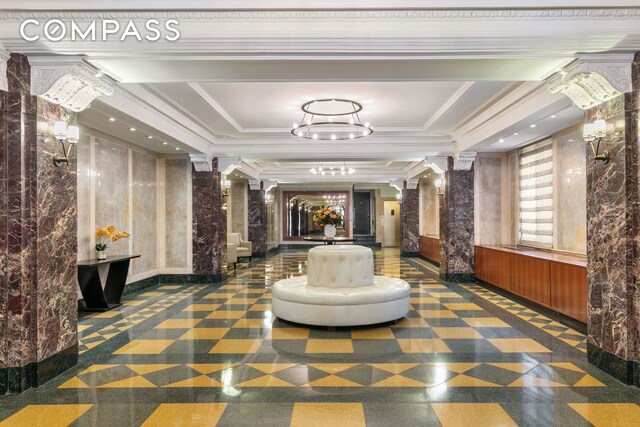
{"points": [[209, 227], [257, 222], [457, 226], [613, 242], [410, 222], [38, 243]]}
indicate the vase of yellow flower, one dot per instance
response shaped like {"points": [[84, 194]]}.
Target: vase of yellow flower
{"points": [[106, 235], [328, 218]]}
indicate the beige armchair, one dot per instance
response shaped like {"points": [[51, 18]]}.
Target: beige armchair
{"points": [[232, 255], [243, 248]]}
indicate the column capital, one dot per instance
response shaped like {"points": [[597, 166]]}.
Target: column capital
{"points": [[202, 162], [269, 184], [438, 164], [69, 82], [464, 160], [593, 79], [255, 184], [4, 57], [412, 184]]}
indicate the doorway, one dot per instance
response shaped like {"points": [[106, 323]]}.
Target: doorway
{"points": [[391, 224], [362, 213]]}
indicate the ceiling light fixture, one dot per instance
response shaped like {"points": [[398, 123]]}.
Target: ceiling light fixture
{"points": [[326, 120], [112, 119], [342, 170], [132, 129], [149, 137], [532, 126]]}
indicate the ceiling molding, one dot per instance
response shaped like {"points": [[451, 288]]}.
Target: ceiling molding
{"points": [[312, 15], [212, 102], [159, 116], [448, 104], [412, 184], [594, 79]]}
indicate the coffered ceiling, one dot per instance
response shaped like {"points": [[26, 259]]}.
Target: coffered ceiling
{"points": [[434, 77]]}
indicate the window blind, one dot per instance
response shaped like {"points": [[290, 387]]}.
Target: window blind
{"points": [[536, 194]]}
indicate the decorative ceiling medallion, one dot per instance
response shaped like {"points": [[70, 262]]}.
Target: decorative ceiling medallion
{"points": [[331, 120]]}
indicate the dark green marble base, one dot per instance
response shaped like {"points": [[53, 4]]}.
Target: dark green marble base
{"points": [[259, 254], [17, 380], [430, 261], [458, 278], [625, 371], [409, 254], [191, 278]]}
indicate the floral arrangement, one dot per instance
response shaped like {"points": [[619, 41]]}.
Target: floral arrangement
{"points": [[109, 233], [327, 215]]}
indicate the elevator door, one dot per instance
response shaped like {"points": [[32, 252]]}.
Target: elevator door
{"points": [[362, 213], [391, 224]]}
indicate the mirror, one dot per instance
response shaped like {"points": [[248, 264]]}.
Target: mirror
{"points": [[299, 207]]}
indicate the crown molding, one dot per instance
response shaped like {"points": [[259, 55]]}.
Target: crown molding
{"points": [[464, 87], [593, 79], [4, 57], [441, 163], [463, 160], [309, 15]]}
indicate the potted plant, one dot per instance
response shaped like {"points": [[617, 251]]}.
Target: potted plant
{"points": [[327, 218], [106, 235]]}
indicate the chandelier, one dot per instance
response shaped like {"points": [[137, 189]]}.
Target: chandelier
{"points": [[331, 120], [342, 170]]}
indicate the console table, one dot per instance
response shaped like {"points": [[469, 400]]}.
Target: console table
{"points": [[97, 297]]}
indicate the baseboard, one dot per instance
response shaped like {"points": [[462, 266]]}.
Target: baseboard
{"points": [[625, 371], [458, 277], [409, 254], [259, 254], [429, 260], [17, 380]]}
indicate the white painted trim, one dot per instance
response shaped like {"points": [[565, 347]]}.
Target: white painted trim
{"points": [[464, 87], [189, 219], [161, 220], [92, 192], [212, 102]]}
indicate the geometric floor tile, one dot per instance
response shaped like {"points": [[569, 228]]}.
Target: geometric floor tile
{"points": [[186, 414], [46, 415], [609, 414], [327, 414], [472, 414]]}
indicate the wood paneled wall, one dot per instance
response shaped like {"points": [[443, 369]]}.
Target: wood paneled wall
{"points": [[430, 248], [557, 285]]}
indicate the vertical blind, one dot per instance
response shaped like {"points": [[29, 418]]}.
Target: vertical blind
{"points": [[536, 194]]}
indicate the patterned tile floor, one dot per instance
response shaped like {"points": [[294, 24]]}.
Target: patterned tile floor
{"points": [[207, 355]]}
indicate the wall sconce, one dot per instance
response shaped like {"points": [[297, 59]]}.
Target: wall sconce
{"points": [[598, 132], [63, 133], [399, 197], [439, 184]]}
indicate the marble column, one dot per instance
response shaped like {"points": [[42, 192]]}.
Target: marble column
{"points": [[410, 222], [38, 241], [257, 222], [457, 226], [613, 242], [209, 227]]}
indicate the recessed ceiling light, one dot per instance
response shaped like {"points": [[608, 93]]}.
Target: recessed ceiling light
{"points": [[164, 143], [132, 129], [515, 134], [112, 119], [532, 126], [177, 148], [553, 116], [149, 137], [501, 140], [571, 140]]}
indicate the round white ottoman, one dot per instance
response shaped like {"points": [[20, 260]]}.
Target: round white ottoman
{"points": [[340, 290]]}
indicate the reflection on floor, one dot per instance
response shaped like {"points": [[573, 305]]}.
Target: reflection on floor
{"points": [[201, 355]]}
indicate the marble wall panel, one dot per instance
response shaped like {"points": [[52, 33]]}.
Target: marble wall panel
{"points": [[3, 230], [85, 231], [176, 218], [57, 245], [257, 222], [571, 193], [143, 212], [457, 225], [272, 219], [488, 172], [410, 222], [209, 225], [39, 242], [429, 222], [112, 191]]}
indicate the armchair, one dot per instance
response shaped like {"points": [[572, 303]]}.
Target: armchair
{"points": [[243, 248], [232, 255]]}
